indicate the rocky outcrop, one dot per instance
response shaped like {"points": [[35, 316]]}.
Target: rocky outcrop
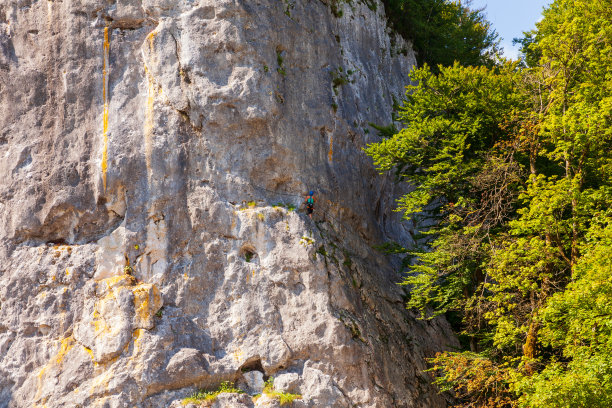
{"points": [[153, 152]]}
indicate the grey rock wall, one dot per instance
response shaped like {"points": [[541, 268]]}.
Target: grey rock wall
{"points": [[152, 151]]}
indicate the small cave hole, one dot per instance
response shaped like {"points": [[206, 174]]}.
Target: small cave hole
{"points": [[253, 364], [248, 253]]}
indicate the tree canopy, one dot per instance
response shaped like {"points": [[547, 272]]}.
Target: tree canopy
{"points": [[511, 167], [444, 31]]}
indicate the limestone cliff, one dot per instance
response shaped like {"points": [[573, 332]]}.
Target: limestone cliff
{"points": [[152, 153]]}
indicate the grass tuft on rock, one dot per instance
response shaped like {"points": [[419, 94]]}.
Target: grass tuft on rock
{"points": [[284, 398], [203, 396]]}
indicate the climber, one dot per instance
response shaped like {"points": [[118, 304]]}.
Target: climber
{"points": [[309, 201]]}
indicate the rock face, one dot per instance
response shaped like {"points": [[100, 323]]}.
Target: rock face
{"points": [[152, 153]]}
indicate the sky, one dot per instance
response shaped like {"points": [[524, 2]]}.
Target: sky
{"points": [[510, 18]]}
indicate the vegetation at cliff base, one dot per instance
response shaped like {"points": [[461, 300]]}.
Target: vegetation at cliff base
{"points": [[511, 166]]}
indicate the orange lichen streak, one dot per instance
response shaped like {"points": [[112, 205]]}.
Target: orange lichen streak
{"points": [[330, 153], [105, 69]]}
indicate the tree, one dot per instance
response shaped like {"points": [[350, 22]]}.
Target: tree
{"points": [[444, 31], [513, 169], [452, 150]]}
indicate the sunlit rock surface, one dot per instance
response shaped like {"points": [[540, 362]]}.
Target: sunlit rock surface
{"points": [[152, 153]]}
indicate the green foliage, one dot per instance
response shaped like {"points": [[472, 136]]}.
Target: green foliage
{"points": [[385, 131], [340, 78], [528, 48], [279, 60], [578, 323], [475, 380], [348, 262], [390, 247], [283, 398], [306, 241], [452, 121], [288, 206], [372, 5], [288, 7], [336, 7], [269, 385], [444, 31], [209, 396], [512, 169]]}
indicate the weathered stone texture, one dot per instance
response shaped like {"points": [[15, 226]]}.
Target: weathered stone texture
{"points": [[145, 145]]}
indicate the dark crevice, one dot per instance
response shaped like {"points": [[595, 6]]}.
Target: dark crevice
{"points": [[253, 364]]}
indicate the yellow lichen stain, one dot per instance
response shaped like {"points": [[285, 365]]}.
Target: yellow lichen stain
{"points": [[116, 282], [102, 382], [237, 355], [91, 354], [185, 276], [150, 38], [65, 347], [147, 301], [141, 302], [110, 286], [99, 323], [330, 153], [40, 375], [105, 68], [136, 335]]}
